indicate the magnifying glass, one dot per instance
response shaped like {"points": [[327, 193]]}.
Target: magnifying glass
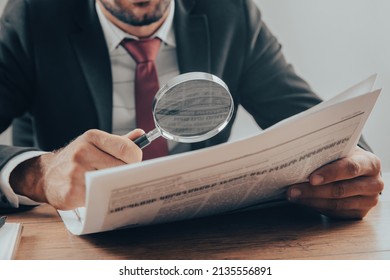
{"points": [[189, 108]]}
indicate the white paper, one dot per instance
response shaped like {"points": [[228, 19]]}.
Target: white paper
{"points": [[226, 177], [10, 235]]}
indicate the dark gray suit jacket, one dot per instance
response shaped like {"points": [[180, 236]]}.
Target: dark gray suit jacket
{"points": [[55, 74]]}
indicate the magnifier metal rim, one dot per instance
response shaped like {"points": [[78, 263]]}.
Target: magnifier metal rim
{"points": [[191, 76]]}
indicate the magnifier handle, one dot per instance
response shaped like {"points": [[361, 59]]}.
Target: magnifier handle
{"points": [[142, 141], [147, 138]]}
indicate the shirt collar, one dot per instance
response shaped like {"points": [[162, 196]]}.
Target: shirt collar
{"points": [[114, 35]]}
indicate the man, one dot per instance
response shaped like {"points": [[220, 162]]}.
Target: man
{"points": [[61, 77]]}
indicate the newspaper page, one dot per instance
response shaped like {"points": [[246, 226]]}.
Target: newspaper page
{"points": [[226, 177]]}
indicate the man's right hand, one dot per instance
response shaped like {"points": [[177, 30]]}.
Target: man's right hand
{"points": [[57, 178]]}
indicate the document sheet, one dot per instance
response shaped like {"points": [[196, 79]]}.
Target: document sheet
{"points": [[10, 235], [228, 177]]}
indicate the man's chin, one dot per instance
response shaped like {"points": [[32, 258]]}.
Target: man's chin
{"points": [[137, 12]]}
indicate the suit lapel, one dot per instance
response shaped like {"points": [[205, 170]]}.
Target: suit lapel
{"points": [[91, 49], [193, 51], [192, 38]]}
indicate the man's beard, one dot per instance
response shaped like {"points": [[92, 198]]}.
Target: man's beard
{"points": [[126, 15]]}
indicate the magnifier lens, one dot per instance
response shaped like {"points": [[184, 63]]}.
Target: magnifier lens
{"points": [[191, 107]]}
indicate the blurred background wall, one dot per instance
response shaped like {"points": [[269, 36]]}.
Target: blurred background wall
{"points": [[332, 44]]}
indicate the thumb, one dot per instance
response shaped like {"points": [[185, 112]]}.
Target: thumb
{"points": [[134, 134]]}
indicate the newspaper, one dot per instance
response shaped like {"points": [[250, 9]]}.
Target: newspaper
{"points": [[228, 177]]}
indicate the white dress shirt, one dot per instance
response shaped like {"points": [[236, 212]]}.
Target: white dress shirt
{"points": [[123, 68]]}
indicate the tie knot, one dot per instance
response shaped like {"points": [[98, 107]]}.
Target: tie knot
{"points": [[143, 50]]}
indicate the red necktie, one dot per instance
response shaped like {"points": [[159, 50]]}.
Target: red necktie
{"points": [[146, 83]]}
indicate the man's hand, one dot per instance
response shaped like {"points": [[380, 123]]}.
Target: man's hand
{"points": [[57, 178], [346, 188]]}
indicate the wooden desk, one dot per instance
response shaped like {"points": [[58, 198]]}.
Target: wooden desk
{"points": [[284, 232]]}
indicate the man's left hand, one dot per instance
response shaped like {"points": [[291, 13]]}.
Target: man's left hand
{"points": [[346, 188]]}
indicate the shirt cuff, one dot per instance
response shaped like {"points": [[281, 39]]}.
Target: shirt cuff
{"points": [[5, 188]]}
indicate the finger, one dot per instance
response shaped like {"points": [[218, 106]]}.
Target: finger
{"points": [[361, 186], [134, 134], [339, 206], [360, 163], [114, 145], [92, 158], [348, 214]]}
